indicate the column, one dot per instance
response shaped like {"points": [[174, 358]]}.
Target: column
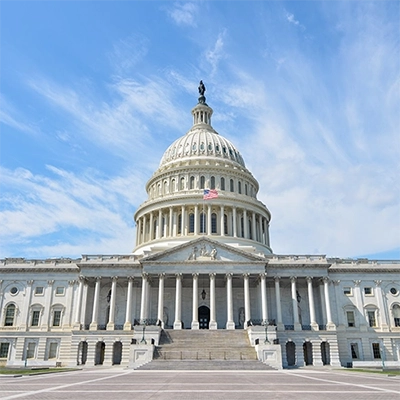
{"points": [[84, 304], [329, 323], [151, 227], [159, 224], [313, 321], [247, 315], [143, 301], [245, 224], [382, 312], [279, 322], [139, 230], [69, 298], [128, 314], [196, 219], [195, 309], [175, 229], [253, 229], [171, 222], [209, 219], [111, 319], [27, 305], [160, 314], [178, 299], [77, 323], [222, 221], [183, 222], [296, 323], [230, 324], [213, 319], [96, 301], [234, 220], [265, 231], [48, 300], [264, 306], [144, 229]]}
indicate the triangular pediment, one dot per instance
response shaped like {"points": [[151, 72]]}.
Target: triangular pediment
{"points": [[203, 250]]}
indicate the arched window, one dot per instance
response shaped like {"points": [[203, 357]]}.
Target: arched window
{"points": [[212, 182], [203, 222], [246, 189], [162, 227], [182, 183], [165, 187], [241, 227], [173, 186], [213, 223], [191, 182], [10, 315], [225, 224], [240, 187], [179, 224], [396, 315], [232, 186], [222, 183], [250, 232], [202, 182], [191, 223], [154, 228]]}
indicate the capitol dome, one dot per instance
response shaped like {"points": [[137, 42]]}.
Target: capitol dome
{"points": [[175, 211]]}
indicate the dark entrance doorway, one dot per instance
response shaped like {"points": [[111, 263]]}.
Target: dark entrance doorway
{"points": [[82, 353], [307, 349], [291, 354], [325, 353], [100, 349], [117, 353], [204, 317]]}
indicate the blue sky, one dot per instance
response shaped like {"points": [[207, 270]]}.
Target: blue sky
{"points": [[92, 93]]}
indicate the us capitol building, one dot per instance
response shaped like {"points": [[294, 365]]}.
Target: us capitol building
{"points": [[202, 268]]}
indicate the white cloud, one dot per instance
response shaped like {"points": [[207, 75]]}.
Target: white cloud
{"points": [[216, 54], [184, 13], [290, 18]]}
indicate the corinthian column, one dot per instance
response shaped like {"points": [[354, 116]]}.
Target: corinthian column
{"points": [[213, 322], [264, 307], [96, 301], [195, 310], [313, 321], [178, 300], [111, 320], [247, 315], [128, 315], [160, 314], [230, 324], [279, 322], [296, 321], [329, 323]]}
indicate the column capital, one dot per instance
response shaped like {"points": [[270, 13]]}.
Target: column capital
{"points": [[309, 278], [336, 282], [325, 279], [293, 278], [50, 282], [212, 275], [30, 282], [178, 276], [378, 282], [131, 278], [246, 275], [145, 275], [82, 278], [263, 275], [229, 275], [357, 282], [97, 278], [70, 283], [195, 275], [114, 278], [162, 275], [277, 278]]}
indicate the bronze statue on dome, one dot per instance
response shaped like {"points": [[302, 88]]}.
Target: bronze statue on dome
{"points": [[202, 88]]}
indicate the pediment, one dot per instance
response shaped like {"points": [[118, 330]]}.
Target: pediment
{"points": [[203, 250]]}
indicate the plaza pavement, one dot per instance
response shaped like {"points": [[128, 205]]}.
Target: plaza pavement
{"points": [[119, 384]]}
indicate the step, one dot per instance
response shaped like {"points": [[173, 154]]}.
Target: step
{"points": [[190, 365]]}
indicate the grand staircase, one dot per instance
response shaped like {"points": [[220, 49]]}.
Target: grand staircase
{"points": [[205, 350]]}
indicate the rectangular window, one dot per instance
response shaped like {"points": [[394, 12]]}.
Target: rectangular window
{"points": [[350, 318], [60, 291], [371, 318], [354, 351], [53, 350], [56, 318], [30, 351], [368, 291], [347, 290], [396, 322], [376, 350], [39, 290], [4, 350], [35, 318]]}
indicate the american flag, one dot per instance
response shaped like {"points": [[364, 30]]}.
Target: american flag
{"points": [[210, 194]]}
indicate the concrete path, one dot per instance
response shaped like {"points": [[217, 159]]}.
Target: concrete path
{"points": [[120, 384]]}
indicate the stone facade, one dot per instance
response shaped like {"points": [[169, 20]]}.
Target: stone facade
{"points": [[200, 264]]}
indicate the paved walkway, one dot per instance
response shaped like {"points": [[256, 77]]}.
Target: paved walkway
{"points": [[156, 385]]}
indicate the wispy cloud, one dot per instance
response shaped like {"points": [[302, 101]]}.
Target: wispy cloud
{"points": [[216, 53], [291, 19], [184, 13]]}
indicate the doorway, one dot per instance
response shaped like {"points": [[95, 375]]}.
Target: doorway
{"points": [[291, 354], [82, 353], [325, 353], [204, 317], [117, 353], [307, 349], [100, 349]]}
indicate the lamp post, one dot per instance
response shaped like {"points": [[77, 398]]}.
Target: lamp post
{"points": [[266, 341], [143, 337]]}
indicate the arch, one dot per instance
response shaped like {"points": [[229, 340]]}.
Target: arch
{"points": [[191, 182], [290, 354], [240, 187], [225, 224], [325, 353], [10, 313], [117, 353], [202, 182], [231, 185], [165, 185], [213, 223], [82, 353], [180, 224], [203, 222], [246, 189], [212, 182], [307, 350], [172, 185], [191, 223], [204, 317], [396, 314], [222, 183], [182, 187], [99, 356]]}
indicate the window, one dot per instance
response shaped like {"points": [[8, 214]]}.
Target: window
{"points": [[225, 224], [368, 291], [240, 187], [202, 222], [371, 318], [354, 351], [212, 182], [30, 350], [10, 314], [53, 347], [202, 182], [14, 290], [60, 291], [246, 190], [35, 318], [222, 183], [179, 224], [191, 223], [57, 318], [347, 290], [232, 186], [4, 349], [350, 319], [396, 315], [39, 290], [191, 182], [213, 223], [182, 183], [394, 291], [376, 350], [173, 186]]}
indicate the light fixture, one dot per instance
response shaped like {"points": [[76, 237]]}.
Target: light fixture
{"points": [[203, 294]]}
